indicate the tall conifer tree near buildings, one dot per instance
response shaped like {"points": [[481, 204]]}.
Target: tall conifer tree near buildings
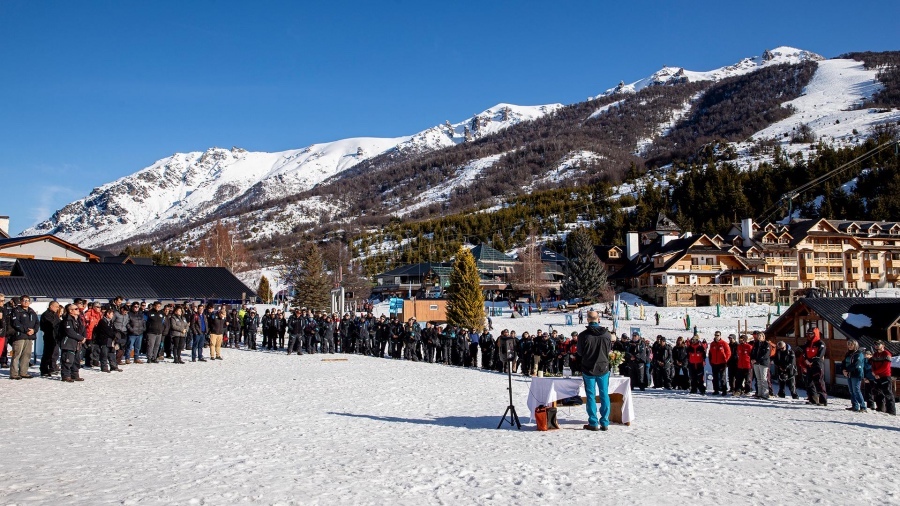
{"points": [[264, 291], [312, 285], [585, 275], [465, 306]]}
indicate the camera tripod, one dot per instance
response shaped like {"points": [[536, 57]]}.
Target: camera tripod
{"points": [[510, 410]]}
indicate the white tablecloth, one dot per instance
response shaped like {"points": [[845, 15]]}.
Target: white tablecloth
{"points": [[544, 391]]}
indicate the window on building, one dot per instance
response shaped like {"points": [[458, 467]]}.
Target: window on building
{"points": [[809, 270]]}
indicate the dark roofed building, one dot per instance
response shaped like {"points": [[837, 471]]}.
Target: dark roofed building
{"points": [[93, 280], [839, 319]]}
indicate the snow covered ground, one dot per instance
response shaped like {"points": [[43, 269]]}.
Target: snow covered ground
{"points": [[266, 428]]}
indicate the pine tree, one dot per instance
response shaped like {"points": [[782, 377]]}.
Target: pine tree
{"points": [[312, 286], [264, 291], [465, 306], [586, 275]]}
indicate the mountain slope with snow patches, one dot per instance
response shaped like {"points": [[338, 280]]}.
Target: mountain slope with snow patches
{"points": [[666, 75], [189, 187], [269, 193]]}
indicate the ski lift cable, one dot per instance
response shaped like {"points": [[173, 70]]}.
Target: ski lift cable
{"points": [[792, 194]]}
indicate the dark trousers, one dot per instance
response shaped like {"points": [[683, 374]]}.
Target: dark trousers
{"points": [[251, 339], [742, 380], [294, 344], [886, 387], [68, 364], [719, 384], [177, 347], [698, 381], [107, 356], [428, 352], [789, 381], [815, 386], [409, 351], [167, 346], [486, 358], [732, 376], [473, 354], [661, 377], [447, 352], [90, 354], [49, 357]]}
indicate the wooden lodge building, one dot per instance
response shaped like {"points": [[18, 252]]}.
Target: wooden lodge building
{"points": [[753, 263], [839, 319]]}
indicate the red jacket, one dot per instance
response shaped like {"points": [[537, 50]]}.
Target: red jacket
{"points": [[91, 318], [881, 364], [696, 353], [719, 352], [743, 354]]}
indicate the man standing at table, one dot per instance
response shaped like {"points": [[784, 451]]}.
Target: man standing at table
{"points": [[593, 352]]}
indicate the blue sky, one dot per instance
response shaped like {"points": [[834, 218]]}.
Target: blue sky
{"points": [[94, 90]]}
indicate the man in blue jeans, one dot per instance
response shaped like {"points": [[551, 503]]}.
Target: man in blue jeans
{"points": [[593, 352], [134, 327]]}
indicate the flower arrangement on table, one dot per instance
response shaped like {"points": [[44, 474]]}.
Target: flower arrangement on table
{"points": [[615, 360]]}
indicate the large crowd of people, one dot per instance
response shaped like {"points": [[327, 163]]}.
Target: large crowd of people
{"points": [[110, 336]]}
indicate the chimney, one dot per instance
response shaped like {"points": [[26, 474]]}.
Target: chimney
{"points": [[631, 245], [4, 225], [747, 231]]}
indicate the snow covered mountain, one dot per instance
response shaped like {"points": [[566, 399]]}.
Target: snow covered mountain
{"points": [[188, 187], [666, 75], [524, 147]]}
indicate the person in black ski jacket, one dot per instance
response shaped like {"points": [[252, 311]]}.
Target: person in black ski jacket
{"points": [[663, 367], [105, 341], [785, 369], [70, 338], [50, 321], [593, 349], [156, 326], [636, 357]]}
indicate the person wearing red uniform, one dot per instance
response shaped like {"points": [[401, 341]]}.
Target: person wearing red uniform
{"points": [[881, 369], [696, 365], [91, 317], [742, 383], [719, 354], [815, 368]]}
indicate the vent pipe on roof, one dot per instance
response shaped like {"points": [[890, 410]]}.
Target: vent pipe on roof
{"points": [[631, 245], [747, 231]]}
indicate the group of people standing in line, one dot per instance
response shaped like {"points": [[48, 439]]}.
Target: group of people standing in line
{"points": [[84, 335]]}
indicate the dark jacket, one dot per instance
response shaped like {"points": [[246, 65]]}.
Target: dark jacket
{"points": [[593, 350], [785, 362], [136, 325], [295, 325], [636, 351], [71, 333], [156, 322], [21, 320], [105, 332], [50, 327], [761, 353], [855, 363], [217, 325]]}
